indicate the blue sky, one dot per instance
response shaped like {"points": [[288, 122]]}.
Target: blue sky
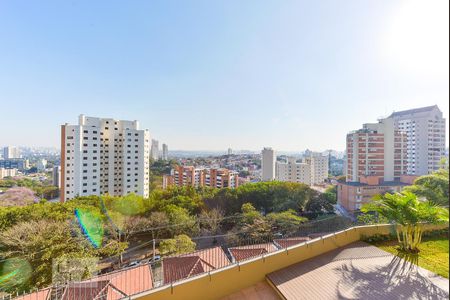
{"points": [[208, 75]]}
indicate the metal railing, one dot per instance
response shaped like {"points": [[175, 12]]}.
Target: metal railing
{"points": [[212, 253]]}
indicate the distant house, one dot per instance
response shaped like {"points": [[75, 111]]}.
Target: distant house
{"points": [[187, 265], [288, 242], [111, 286], [245, 252]]}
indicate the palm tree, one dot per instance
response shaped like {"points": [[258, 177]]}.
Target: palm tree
{"points": [[409, 213]]}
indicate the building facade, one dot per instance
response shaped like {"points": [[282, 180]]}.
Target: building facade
{"points": [[425, 129], [201, 177], [11, 152], [312, 170], [15, 163], [154, 152], [7, 173], [376, 163], [268, 164], [379, 150], [319, 165], [56, 176], [165, 152], [104, 156]]}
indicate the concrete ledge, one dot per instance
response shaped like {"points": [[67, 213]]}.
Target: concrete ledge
{"points": [[225, 281]]}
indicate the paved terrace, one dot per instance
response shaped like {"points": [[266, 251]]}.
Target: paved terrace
{"points": [[357, 271]]}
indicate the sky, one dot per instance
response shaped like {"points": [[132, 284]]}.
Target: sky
{"points": [[209, 75]]}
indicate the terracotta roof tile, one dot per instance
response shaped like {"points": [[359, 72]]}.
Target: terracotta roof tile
{"points": [[186, 265], [249, 251], [284, 243]]}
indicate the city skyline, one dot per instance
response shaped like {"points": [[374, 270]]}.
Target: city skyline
{"points": [[289, 75]]}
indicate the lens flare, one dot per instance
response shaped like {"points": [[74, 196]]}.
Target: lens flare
{"points": [[14, 272], [91, 225]]}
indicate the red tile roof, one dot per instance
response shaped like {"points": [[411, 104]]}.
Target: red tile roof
{"points": [[111, 286], [187, 265], [284, 243], [249, 251], [40, 295]]}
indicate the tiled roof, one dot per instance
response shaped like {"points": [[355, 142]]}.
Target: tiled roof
{"points": [[111, 286], [249, 251], [130, 281], [184, 266], [176, 268], [287, 242], [39, 295], [86, 290], [413, 111]]}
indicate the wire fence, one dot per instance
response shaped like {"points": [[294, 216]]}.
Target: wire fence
{"points": [[212, 253]]}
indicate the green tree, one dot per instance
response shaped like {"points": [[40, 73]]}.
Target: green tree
{"points": [[158, 223], [38, 243], [210, 221], [178, 245], [181, 222], [286, 222], [409, 213], [434, 187]]}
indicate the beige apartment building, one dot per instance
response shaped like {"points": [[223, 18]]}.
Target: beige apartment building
{"points": [[311, 170], [376, 164], [198, 177]]}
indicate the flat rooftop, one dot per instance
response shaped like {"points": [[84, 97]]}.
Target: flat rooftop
{"points": [[358, 271]]}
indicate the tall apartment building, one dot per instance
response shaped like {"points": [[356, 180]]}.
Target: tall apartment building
{"points": [[268, 160], [199, 177], [11, 152], [56, 176], [154, 152], [319, 167], [165, 152], [379, 150], [104, 156], [376, 163], [313, 170], [426, 133]]}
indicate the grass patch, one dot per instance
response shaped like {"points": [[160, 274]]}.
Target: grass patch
{"points": [[433, 253]]}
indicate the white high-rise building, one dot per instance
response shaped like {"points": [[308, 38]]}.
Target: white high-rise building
{"points": [[319, 167], [230, 151], [11, 152], [56, 176], [154, 152], [165, 152], [313, 169], [426, 133], [104, 156], [268, 160], [41, 165]]}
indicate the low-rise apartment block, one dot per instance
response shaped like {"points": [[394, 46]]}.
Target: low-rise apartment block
{"points": [[198, 177], [312, 170], [7, 173], [15, 163]]}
